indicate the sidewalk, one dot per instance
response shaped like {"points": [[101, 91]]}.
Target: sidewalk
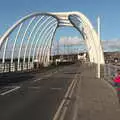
{"points": [[95, 99]]}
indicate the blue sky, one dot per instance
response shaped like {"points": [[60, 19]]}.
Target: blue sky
{"points": [[108, 10]]}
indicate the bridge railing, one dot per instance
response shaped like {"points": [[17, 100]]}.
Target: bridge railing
{"points": [[110, 71], [8, 67]]}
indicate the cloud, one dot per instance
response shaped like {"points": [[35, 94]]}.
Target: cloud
{"points": [[107, 45], [71, 41], [72, 45], [111, 45]]}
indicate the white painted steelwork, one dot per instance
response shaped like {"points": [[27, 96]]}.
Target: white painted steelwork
{"points": [[42, 30], [4, 52], [46, 59], [32, 31], [41, 33], [46, 20], [31, 21], [47, 38], [43, 36], [16, 38], [89, 31]]}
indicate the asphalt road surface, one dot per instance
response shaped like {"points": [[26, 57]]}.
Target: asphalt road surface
{"points": [[37, 98]]}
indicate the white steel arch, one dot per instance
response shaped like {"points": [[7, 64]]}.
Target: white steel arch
{"points": [[52, 21], [94, 48]]}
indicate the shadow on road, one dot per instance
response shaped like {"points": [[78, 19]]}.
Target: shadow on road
{"points": [[10, 78]]}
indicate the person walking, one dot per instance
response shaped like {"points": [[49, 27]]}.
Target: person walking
{"points": [[116, 82]]}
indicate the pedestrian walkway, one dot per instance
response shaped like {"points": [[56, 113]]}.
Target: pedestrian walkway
{"points": [[96, 99]]}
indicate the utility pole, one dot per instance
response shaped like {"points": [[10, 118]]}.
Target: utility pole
{"points": [[58, 47], [64, 47], [98, 23]]}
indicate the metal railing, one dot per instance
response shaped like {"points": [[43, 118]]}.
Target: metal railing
{"points": [[110, 71], [8, 67]]}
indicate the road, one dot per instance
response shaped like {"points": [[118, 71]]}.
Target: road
{"points": [[37, 98]]}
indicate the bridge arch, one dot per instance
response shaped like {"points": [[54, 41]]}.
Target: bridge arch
{"points": [[31, 37]]}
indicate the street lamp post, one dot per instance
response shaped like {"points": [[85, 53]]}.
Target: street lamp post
{"points": [[98, 71]]}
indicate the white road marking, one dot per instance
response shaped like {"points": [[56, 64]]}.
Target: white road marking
{"points": [[34, 87], [56, 116], [48, 75], [68, 101], [9, 91], [37, 80], [55, 88]]}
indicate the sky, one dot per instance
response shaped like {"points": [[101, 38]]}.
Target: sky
{"points": [[108, 10]]}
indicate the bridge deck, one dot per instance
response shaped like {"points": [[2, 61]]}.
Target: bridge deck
{"points": [[95, 98]]}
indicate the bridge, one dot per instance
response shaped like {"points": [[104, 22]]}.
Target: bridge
{"points": [[32, 88], [31, 38]]}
